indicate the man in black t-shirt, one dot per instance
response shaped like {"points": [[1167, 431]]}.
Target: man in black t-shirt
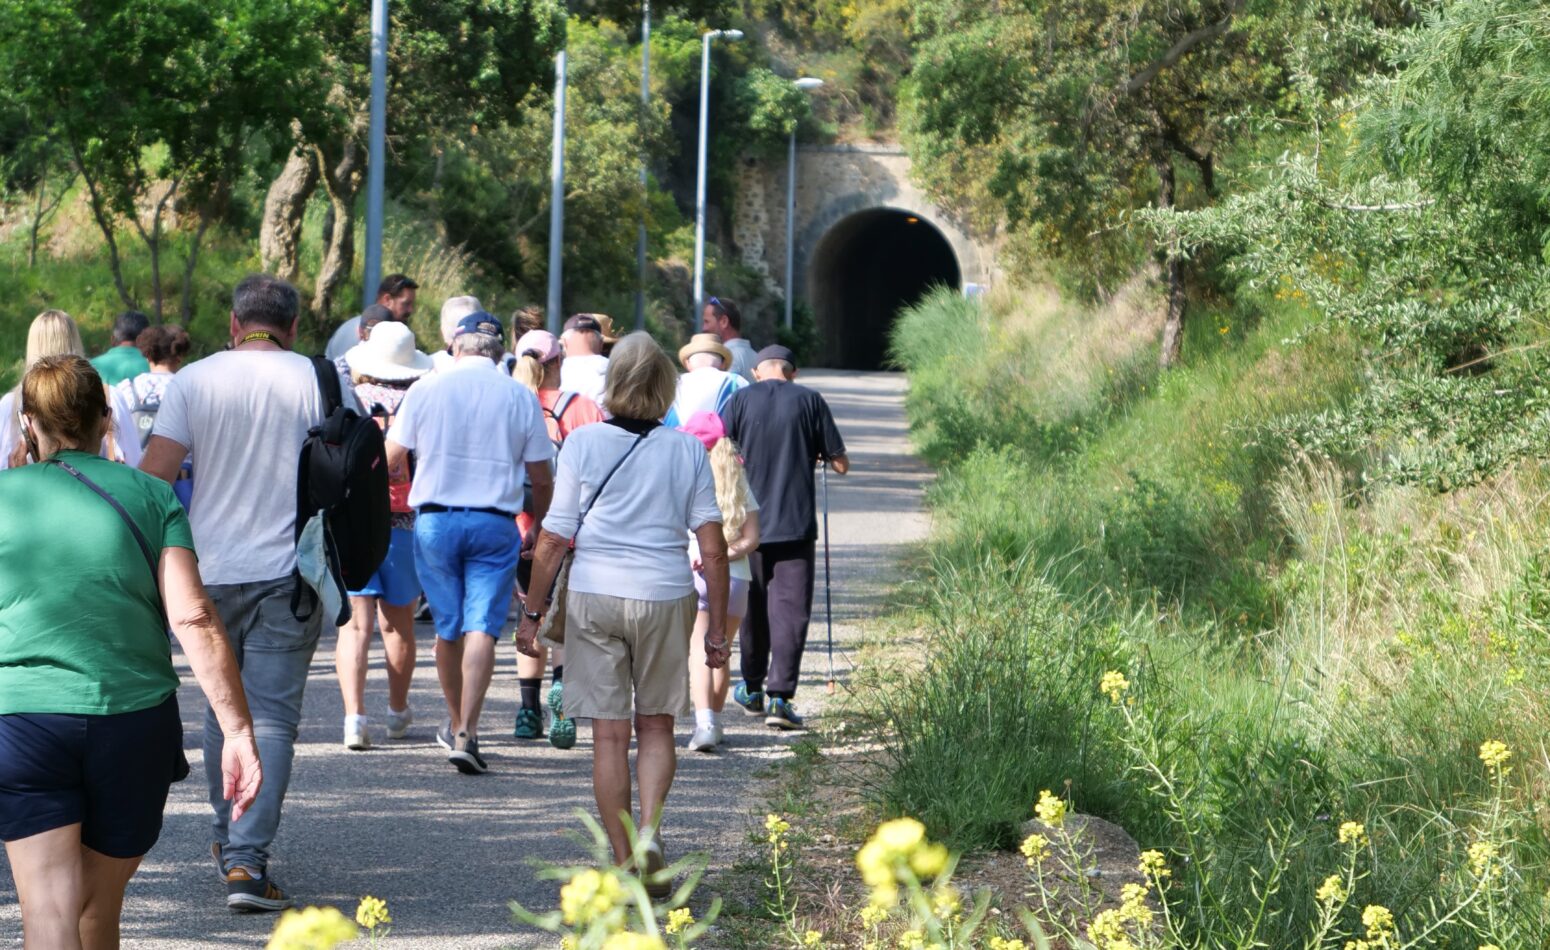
{"points": [[783, 430]]}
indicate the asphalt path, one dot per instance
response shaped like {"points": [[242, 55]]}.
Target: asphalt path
{"points": [[447, 851]]}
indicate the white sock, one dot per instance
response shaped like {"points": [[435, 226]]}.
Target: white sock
{"points": [[704, 718], [355, 722]]}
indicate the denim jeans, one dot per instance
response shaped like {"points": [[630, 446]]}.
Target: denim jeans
{"points": [[274, 651]]}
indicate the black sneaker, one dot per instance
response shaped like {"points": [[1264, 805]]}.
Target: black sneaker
{"points": [[444, 735], [465, 755], [248, 894]]}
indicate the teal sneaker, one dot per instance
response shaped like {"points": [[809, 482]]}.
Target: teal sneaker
{"points": [[752, 703], [783, 715], [530, 724], [562, 731]]}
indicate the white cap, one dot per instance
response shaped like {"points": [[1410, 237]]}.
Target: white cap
{"points": [[453, 311]]}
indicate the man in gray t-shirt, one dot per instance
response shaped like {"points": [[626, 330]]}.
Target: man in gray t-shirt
{"points": [[243, 415]]}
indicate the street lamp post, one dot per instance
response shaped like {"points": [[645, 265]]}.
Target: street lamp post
{"points": [[645, 104], [557, 198], [806, 84], [699, 178], [376, 132]]}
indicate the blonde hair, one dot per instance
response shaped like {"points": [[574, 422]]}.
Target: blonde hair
{"points": [[732, 491], [642, 380], [53, 333], [65, 398], [529, 372]]}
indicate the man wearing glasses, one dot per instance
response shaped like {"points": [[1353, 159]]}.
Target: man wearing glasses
{"points": [[722, 318], [396, 293]]}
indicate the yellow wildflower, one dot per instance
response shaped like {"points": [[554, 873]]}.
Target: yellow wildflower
{"points": [[1332, 891], [588, 896], [372, 913], [1133, 905], [1482, 858], [894, 846], [631, 941], [912, 940], [1001, 943], [569, 942], [1051, 810], [313, 928], [1353, 832], [679, 920], [946, 903], [812, 938], [777, 827], [1154, 865], [1494, 754], [900, 835], [1113, 685], [872, 915], [1107, 932], [1378, 920], [1489, 946], [1035, 848]]}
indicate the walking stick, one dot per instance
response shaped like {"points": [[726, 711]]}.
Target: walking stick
{"points": [[828, 592]]}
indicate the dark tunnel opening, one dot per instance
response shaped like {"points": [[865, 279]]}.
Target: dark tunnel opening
{"points": [[864, 271]]}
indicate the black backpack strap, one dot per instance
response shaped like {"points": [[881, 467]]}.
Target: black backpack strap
{"points": [[561, 404], [134, 529], [328, 383]]}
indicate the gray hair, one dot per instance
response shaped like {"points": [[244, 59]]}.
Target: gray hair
{"points": [[265, 301], [710, 359], [477, 344]]}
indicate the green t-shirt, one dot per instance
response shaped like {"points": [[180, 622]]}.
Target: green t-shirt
{"points": [[80, 615], [120, 363]]}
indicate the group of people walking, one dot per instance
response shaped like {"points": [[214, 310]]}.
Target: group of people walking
{"points": [[628, 517]]}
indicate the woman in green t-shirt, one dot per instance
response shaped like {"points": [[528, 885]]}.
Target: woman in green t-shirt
{"points": [[90, 736]]}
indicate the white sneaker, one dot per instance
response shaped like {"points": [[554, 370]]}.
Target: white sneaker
{"points": [[398, 723], [356, 739], [705, 738]]}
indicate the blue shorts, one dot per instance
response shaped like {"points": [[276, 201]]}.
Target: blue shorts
{"points": [[109, 774], [395, 581], [467, 564]]}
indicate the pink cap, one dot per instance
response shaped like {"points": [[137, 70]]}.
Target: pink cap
{"points": [[540, 343], [707, 427]]}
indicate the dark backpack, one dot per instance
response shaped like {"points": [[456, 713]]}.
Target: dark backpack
{"points": [[343, 474]]}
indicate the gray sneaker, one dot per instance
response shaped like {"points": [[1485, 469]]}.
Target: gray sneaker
{"points": [[705, 738], [444, 735], [253, 892], [465, 755], [398, 725]]}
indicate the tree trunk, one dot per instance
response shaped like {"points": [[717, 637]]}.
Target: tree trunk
{"points": [[342, 173], [285, 207], [104, 224], [186, 310], [1173, 324]]}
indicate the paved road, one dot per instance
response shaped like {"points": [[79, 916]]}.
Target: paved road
{"points": [[448, 852]]}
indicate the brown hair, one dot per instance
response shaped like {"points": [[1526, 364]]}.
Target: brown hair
{"points": [[163, 344], [642, 380], [66, 401]]}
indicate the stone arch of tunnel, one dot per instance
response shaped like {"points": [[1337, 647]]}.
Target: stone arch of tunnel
{"points": [[864, 270]]}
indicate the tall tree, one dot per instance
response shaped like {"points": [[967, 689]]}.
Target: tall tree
{"points": [[453, 66], [153, 101]]}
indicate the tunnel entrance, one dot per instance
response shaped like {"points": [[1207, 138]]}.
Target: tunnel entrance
{"points": [[864, 270]]}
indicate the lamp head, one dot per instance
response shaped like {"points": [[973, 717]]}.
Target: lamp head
{"points": [[725, 34], [807, 83]]}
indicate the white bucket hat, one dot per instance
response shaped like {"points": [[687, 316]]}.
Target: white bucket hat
{"points": [[389, 354]]}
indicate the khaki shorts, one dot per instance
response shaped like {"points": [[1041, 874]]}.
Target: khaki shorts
{"points": [[626, 657]]}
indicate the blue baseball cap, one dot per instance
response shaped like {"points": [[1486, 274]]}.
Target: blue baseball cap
{"points": [[480, 322]]}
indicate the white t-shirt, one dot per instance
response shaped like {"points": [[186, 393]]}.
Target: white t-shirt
{"points": [[441, 361], [740, 569], [348, 334], [634, 543], [473, 430], [243, 415], [126, 437], [706, 389], [743, 357], [586, 375]]}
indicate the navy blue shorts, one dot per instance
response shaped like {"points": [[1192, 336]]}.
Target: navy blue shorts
{"points": [[109, 774]]}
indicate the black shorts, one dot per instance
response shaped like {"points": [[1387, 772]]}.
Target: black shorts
{"points": [[110, 774]]}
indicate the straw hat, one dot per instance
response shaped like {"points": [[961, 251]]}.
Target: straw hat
{"points": [[704, 343], [389, 354]]}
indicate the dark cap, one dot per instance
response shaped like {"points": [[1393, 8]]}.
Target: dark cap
{"points": [[584, 322], [480, 322], [776, 352]]}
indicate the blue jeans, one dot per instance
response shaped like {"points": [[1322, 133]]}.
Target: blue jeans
{"points": [[467, 562], [274, 651]]}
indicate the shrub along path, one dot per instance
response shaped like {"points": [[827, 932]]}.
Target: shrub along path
{"points": [[447, 852]]}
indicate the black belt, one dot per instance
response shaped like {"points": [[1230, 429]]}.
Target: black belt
{"points": [[431, 508]]}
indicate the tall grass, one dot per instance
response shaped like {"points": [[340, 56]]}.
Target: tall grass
{"points": [[1310, 647]]}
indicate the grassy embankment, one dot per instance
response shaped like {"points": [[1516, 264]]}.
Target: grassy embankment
{"points": [[1305, 647]]}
